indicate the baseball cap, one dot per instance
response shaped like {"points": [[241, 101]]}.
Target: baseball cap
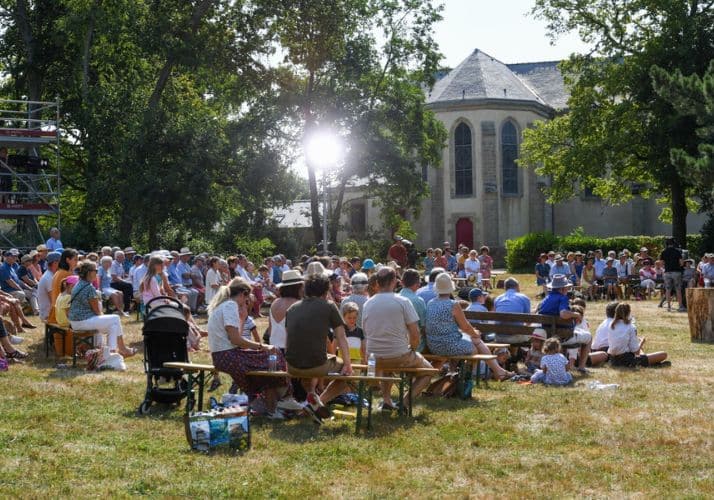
{"points": [[53, 257], [476, 292]]}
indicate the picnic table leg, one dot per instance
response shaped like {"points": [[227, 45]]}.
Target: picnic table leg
{"points": [[478, 373], [201, 380], [411, 397], [189, 394], [360, 396], [402, 383], [369, 406]]}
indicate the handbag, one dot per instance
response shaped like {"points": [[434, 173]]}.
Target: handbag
{"points": [[220, 428]]}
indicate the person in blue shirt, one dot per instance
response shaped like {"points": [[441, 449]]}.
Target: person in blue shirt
{"points": [[512, 301], [427, 292], [9, 281], [410, 284], [452, 263], [542, 272], [477, 298], [54, 242], [557, 303]]}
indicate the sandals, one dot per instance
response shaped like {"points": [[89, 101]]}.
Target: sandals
{"points": [[28, 325], [129, 352]]}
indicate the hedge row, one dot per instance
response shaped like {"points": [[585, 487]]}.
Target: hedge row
{"points": [[521, 253]]}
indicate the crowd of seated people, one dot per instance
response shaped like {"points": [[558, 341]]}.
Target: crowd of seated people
{"points": [[329, 311]]}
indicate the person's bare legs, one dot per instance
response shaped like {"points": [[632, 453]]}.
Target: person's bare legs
{"points": [[118, 300], [334, 389], [123, 349], [656, 357], [598, 358], [481, 348], [584, 352], [418, 386]]}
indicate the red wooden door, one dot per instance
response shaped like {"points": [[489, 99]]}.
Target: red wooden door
{"points": [[464, 232]]}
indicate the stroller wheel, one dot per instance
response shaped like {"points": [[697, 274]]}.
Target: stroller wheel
{"points": [[144, 408]]}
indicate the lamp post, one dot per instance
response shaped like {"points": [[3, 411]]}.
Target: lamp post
{"points": [[323, 150]]}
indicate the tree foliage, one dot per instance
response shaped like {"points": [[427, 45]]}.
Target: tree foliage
{"points": [[360, 68], [618, 132]]}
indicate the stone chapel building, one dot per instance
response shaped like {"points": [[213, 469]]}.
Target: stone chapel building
{"points": [[479, 195]]}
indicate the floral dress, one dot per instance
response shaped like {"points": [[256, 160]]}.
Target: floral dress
{"points": [[443, 336]]}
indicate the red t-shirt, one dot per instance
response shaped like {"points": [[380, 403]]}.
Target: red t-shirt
{"points": [[398, 253]]}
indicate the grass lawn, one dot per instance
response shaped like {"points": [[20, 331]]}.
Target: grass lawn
{"points": [[72, 433]]}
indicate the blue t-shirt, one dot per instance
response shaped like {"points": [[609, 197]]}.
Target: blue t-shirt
{"points": [[553, 304], [79, 308], [174, 276], [512, 302], [105, 278], [8, 272]]}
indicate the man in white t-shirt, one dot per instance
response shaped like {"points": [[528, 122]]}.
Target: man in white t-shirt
{"points": [[391, 329], [137, 273]]}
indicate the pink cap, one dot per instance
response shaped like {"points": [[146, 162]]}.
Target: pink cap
{"points": [[72, 280]]}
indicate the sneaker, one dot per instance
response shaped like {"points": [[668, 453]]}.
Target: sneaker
{"points": [[276, 415], [290, 404], [125, 314], [15, 340], [16, 355], [312, 405], [682, 309], [386, 407], [584, 371]]}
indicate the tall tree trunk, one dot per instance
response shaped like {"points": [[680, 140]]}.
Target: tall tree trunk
{"points": [[311, 179], [32, 74], [679, 211]]}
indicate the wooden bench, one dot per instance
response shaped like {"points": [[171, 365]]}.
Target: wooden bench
{"points": [[464, 368], [79, 337], [512, 324], [365, 389], [406, 379]]}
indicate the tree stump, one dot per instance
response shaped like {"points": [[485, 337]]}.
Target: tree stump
{"points": [[700, 306]]}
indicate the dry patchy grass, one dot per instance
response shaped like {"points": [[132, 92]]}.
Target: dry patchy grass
{"points": [[71, 433]]}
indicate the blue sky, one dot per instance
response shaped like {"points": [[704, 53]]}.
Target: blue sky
{"points": [[502, 29]]}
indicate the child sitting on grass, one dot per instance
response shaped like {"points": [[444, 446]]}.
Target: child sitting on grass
{"points": [[535, 353], [624, 348], [552, 366]]}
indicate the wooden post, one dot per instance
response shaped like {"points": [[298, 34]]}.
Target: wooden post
{"points": [[700, 305]]}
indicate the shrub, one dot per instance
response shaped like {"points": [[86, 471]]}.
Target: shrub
{"points": [[256, 250], [521, 253]]}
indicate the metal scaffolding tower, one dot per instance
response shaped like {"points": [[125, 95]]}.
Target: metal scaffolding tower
{"points": [[29, 169]]}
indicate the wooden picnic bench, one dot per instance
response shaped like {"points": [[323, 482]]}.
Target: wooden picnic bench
{"points": [[365, 389], [519, 324], [464, 368], [196, 378]]}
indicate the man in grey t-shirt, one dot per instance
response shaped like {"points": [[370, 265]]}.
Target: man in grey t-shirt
{"points": [[390, 325]]}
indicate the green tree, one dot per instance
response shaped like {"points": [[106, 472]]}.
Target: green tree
{"points": [[360, 67], [169, 114], [618, 132]]}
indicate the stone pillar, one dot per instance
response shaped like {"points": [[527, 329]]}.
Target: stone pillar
{"points": [[489, 165]]}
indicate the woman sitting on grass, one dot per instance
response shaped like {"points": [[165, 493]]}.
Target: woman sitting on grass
{"points": [[624, 348], [85, 311], [445, 320], [236, 355]]}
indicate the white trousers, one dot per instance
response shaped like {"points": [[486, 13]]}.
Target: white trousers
{"points": [[108, 324]]}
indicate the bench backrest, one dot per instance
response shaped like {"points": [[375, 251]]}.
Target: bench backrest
{"points": [[520, 324]]}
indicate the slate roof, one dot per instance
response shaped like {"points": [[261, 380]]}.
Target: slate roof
{"points": [[481, 76]]}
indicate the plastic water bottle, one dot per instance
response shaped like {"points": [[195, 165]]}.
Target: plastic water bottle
{"points": [[272, 363], [371, 365]]}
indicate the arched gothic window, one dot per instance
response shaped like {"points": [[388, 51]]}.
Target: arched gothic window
{"points": [[463, 164], [509, 155]]}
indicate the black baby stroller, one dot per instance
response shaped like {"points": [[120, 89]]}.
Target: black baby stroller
{"points": [[165, 332]]}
